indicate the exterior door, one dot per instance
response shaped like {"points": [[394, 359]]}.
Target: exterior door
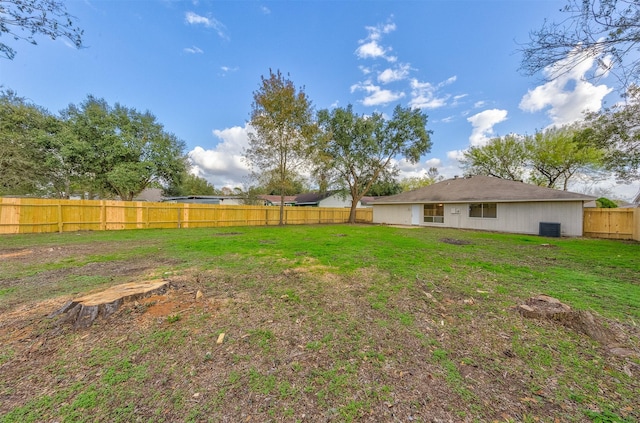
{"points": [[416, 214]]}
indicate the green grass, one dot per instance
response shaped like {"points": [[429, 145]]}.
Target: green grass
{"points": [[336, 323]]}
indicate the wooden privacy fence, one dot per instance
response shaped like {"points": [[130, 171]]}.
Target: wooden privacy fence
{"points": [[612, 223], [28, 215]]}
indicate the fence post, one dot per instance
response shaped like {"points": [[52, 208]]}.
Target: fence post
{"points": [[60, 217]]}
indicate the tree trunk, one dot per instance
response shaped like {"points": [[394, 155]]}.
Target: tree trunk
{"points": [[352, 212], [83, 311]]}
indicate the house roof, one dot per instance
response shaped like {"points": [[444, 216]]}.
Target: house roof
{"points": [[275, 199], [481, 189], [312, 197]]}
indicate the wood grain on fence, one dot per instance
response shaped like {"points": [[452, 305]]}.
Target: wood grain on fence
{"points": [[612, 223], [29, 215]]}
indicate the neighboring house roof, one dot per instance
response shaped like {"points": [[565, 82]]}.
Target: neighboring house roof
{"points": [[312, 198], [204, 199], [149, 194], [481, 189], [637, 199], [275, 199], [368, 200]]}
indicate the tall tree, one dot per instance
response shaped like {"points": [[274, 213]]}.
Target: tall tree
{"points": [[605, 30], [555, 156], [24, 19], [503, 157], [23, 126], [283, 128], [120, 151], [415, 182], [617, 132], [361, 149]]}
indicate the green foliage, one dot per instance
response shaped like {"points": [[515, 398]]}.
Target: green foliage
{"points": [[605, 203], [503, 157], [359, 149], [552, 157], [92, 148], [120, 151], [25, 132], [388, 186], [189, 184], [616, 131], [24, 19], [282, 120], [556, 156], [415, 182]]}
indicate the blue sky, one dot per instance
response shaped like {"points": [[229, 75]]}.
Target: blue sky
{"points": [[196, 64]]}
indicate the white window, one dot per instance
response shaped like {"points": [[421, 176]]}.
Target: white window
{"points": [[483, 210], [434, 213]]}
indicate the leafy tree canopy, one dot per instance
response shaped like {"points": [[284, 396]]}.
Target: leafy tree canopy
{"points": [[617, 132], [189, 184], [550, 158], [25, 132], [24, 19], [502, 157], [120, 151]]}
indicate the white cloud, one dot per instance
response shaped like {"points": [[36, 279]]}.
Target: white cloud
{"points": [[483, 124], [227, 69], [479, 104], [448, 119], [223, 165], [195, 19], [398, 73], [424, 95], [365, 70], [265, 10], [455, 155], [433, 162], [566, 105], [370, 47], [193, 50], [376, 96]]}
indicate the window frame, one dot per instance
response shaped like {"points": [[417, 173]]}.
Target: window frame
{"points": [[433, 218], [487, 210]]}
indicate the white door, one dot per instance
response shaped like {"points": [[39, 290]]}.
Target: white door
{"points": [[415, 214]]}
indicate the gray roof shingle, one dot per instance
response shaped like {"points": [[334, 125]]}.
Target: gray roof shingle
{"points": [[481, 189]]}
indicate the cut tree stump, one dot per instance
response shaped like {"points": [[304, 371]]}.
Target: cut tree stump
{"points": [[549, 308], [83, 311]]}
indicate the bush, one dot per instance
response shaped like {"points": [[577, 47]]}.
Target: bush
{"points": [[605, 203]]}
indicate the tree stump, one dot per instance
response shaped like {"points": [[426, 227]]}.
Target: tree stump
{"points": [[83, 311], [549, 308]]}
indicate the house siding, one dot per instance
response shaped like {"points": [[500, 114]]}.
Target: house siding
{"points": [[524, 217], [393, 214]]}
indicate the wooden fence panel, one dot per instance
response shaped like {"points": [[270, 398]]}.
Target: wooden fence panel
{"points": [[29, 215], [612, 223]]}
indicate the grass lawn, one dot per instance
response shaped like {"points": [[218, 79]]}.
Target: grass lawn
{"points": [[320, 323]]}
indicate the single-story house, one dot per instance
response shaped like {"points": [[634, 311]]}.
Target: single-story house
{"points": [[327, 199], [227, 200], [274, 200], [485, 203]]}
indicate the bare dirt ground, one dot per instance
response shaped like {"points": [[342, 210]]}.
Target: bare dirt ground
{"points": [[306, 345]]}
